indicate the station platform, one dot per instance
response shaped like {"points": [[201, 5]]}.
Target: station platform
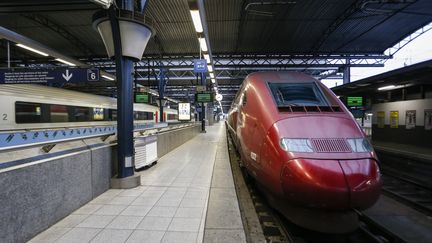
{"points": [[188, 196], [404, 149]]}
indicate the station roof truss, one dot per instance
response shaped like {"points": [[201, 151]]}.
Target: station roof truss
{"points": [[315, 37], [417, 74]]}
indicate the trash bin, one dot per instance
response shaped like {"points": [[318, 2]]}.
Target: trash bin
{"points": [[145, 151]]}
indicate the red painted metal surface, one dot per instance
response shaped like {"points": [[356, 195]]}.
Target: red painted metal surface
{"points": [[333, 178]]}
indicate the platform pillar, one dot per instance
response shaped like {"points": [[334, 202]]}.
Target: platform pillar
{"points": [[125, 37]]}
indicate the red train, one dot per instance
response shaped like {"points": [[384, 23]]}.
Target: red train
{"points": [[305, 150]]}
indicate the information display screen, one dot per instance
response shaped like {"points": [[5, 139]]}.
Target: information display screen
{"points": [[142, 98], [184, 112], [355, 101], [204, 97]]}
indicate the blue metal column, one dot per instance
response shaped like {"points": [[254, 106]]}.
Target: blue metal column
{"points": [[203, 82], [124, 71], [161, 87]]}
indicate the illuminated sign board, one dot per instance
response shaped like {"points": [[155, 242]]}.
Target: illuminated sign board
{"points": [[184, 111], [355, 101], [204, 97], [142, 98]]}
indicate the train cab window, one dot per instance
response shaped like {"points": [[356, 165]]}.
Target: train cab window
{"points": [[28, 112], [59, 113], [81, 114], [297, 94]]}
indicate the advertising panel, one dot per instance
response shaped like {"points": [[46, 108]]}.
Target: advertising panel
{"points": [[410, 119], [184, 111], [428, 120], [394, 119], [98, 114], [380, 119]]}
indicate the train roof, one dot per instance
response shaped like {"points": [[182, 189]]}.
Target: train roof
{"points": [[280, 77]]}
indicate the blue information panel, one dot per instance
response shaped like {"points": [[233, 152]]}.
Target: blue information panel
{"points": [[48, 76], [200, 65]]}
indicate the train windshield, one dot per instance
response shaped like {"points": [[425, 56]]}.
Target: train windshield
{"points": [[297, 94]]}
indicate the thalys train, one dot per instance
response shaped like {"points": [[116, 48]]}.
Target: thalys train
{"points": [[305, 150], [24, 106]]}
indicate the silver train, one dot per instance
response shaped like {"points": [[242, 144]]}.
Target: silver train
{"points": [[24, 107]]}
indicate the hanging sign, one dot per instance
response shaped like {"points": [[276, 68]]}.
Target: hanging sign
{"points": [[48, 76], [200, 66]]}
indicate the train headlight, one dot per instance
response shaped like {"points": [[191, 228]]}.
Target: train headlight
{"points": [[296, 145], [360, 145]]}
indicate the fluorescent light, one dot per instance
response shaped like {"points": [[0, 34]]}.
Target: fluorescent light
{"points": [[207, 57], [213, 81], [196, 19], [212, 75], [107, 77], [210, 68], [387, 87], [203, 44], [33, 50], [65, 62]]}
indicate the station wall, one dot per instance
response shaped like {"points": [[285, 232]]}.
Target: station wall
{"points": [[406, 122], [37, 195]]}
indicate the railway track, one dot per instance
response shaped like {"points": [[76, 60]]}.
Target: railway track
{"points": [[408, 191], [278, 229]]}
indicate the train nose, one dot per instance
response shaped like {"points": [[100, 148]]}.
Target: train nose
{"points": [[331, 184]]}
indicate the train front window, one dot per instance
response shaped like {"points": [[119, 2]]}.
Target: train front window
{"points": [[297, 94], [28, 112]]}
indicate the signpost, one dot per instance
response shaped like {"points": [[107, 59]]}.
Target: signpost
{"points": [[184, 112], [355, 101], [48, 76], [204, 97]]}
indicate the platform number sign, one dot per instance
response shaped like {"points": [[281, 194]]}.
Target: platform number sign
{"points": [[92, 74], [200, 66]]}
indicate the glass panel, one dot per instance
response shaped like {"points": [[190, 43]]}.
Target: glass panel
{"points": [[28, 112]]}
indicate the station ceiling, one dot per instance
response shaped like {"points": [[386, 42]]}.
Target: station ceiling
{"points": [[237, 29]]}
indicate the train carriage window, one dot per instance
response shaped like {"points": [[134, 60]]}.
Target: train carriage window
{"points": [[112, 115], [172, 117], [143, 115], [297, 94], [59, 113], [98, 114], [81, 114], [28, 112]]}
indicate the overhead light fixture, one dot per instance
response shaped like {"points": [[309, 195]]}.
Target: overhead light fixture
{"points": [[203, 44], [211, 75], [196, 19], [210, 68], [213, 81], [32, 49], [65, 62], [207, 57], [133, 32], [387, 87], [107, 77]]}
